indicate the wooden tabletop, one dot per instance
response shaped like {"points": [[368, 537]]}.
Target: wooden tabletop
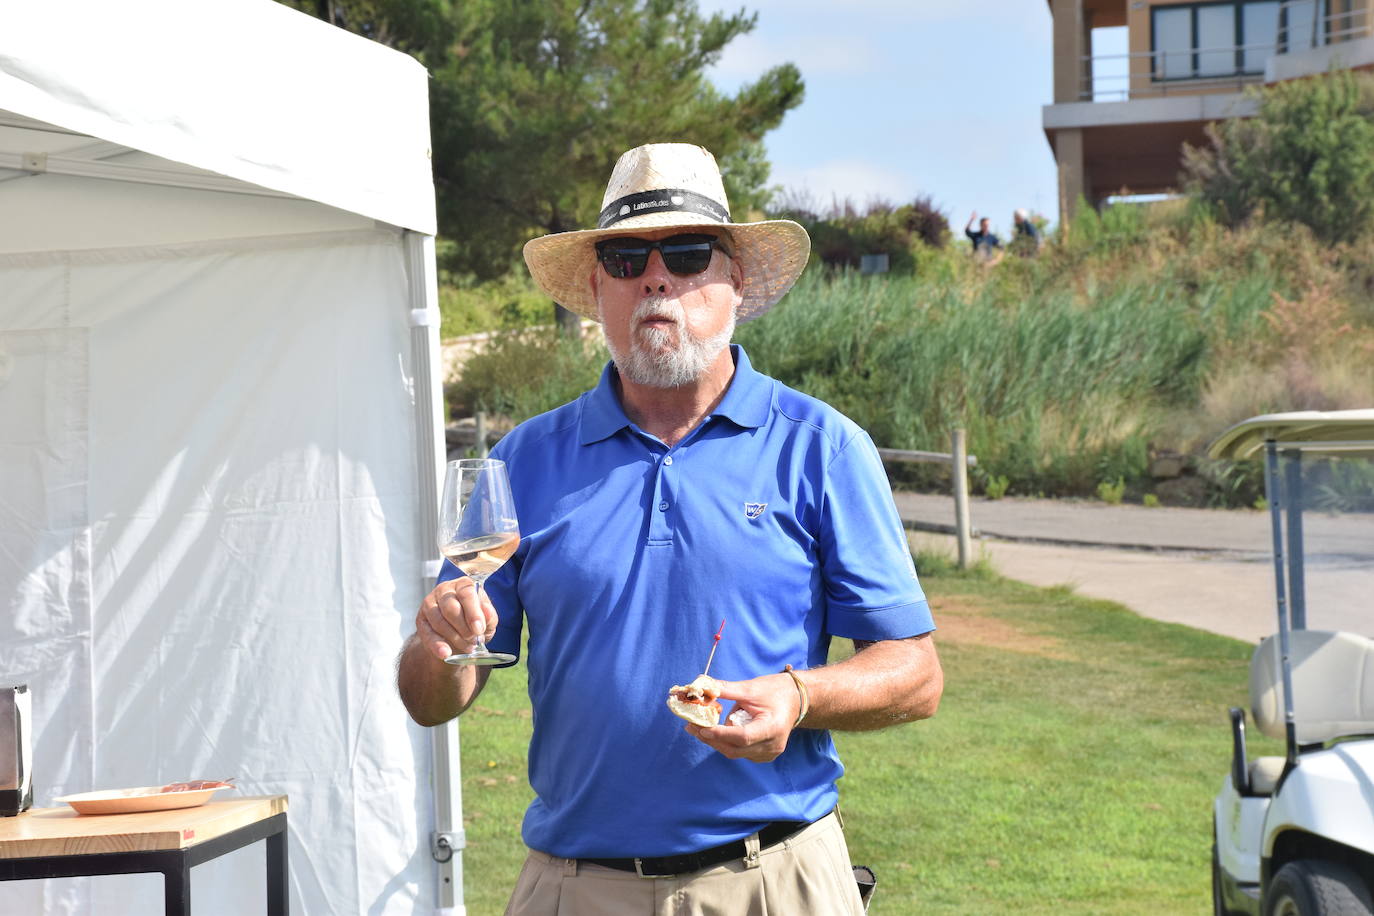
{"points": [[63, 832]]}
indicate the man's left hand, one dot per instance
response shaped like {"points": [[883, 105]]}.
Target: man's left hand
{"points": [[772, 702]]}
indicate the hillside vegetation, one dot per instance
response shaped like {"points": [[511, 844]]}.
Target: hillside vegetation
{"points": [[1146, 329]]}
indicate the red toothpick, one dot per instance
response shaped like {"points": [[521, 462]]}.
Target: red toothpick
{"points": [[714, 642]]}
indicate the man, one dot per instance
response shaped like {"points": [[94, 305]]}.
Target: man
{"points": [[1026, 236], [686, 488], [985, 243]]}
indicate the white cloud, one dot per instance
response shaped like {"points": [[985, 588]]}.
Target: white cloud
{"points": [[747, 57], [836, 181]]}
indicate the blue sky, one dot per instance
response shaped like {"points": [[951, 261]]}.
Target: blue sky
{"points": [[906, 98]]}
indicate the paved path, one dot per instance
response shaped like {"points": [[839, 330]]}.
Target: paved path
{"points": [[1205, 568]]}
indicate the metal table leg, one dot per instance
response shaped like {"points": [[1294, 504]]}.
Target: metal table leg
{"points": [[176, 884], [277, 897]]}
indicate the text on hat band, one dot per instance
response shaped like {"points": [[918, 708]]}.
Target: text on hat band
{"points": [[661, 200]]}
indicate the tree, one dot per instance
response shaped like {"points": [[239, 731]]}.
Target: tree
{"points": [[532, 101], [1307, 156], [417, 27], [841, 234]]}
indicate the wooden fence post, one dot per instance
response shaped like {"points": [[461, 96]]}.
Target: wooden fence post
{"points": [[480, 429], [959, 448]]}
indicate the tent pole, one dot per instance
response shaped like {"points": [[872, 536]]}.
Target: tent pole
{"points": [[447, 841], [44, 164]]}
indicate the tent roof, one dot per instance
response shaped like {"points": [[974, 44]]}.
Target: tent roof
{"points": [[248, 89], [1322, 432]]}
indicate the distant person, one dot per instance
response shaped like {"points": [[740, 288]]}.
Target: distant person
{"points": [[986, 245], [1026, 237]]}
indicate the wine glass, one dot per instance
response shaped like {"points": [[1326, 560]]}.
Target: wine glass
{"points": [[478, 532]]}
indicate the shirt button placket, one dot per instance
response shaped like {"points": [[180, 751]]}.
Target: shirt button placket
{"points": [[659, 529], [664, 503]]}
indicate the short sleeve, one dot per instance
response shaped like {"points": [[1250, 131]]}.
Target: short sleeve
{"points": [[872, 592]]}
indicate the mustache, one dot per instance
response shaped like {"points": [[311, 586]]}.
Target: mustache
{"points": [[659, 307]]}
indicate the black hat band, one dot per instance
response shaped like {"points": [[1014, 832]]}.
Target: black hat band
{"points": [[662, 200]]}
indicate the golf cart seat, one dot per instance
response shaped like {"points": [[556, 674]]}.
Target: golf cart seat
{"points": [[1333, 686], [1264, 775]]}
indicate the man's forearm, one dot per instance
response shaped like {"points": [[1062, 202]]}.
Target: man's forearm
{"points": [[881, 684], [432, 691]]}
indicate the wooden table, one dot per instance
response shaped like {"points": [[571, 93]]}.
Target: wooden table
{"points": [[59, 843]]}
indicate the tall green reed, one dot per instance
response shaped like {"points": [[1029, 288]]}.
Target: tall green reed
{"points": [[1056, 393]]}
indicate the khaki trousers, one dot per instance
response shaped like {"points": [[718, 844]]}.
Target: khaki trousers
{"points": [[808, 873]]}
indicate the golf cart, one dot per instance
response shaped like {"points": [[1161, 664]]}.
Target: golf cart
{"points": [[1294, 835]]}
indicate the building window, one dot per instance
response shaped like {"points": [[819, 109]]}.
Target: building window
{"points": [[1259, 33], [1215, 40]]}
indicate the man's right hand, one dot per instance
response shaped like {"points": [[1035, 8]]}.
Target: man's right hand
{"points": [[447, 620], [450, 618]]}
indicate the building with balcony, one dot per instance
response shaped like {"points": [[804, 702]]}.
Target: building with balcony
{"points": [[1119, 121]]}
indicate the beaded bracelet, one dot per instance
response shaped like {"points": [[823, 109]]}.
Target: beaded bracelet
{"points": [[805, 697]]}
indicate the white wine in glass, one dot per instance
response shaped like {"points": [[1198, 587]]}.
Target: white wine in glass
{"points": [[478, 533]]}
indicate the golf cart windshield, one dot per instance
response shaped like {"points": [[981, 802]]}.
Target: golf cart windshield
{"points": [[1319, 487]]}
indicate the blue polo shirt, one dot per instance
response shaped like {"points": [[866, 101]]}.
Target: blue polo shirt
{"points": [[775, 515]]}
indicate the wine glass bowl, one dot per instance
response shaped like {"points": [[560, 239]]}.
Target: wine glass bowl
{"points": [[478, 533]]}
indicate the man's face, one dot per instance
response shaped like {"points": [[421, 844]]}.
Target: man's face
{"points": [[984, 224], [665, 330]]}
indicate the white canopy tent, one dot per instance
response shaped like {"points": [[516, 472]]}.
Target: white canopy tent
{"points": [[219, 434]]}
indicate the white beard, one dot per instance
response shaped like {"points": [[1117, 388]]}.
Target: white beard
{"points": [[648, 363]]}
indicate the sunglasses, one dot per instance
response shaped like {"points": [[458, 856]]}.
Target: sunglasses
{"points": [[683, 255]]}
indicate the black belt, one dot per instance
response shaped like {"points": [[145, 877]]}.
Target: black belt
{"points": [[668, 866]]}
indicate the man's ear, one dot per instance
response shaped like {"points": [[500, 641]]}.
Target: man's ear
{"points": [[736, 275]]}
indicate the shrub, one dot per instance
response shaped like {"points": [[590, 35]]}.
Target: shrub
{"points": [[1115, 227], [1307, 156], [1111, 493], [468, 305], [925, 222], [524, 373], [1232, 483], [995, 487], [842, 234]]}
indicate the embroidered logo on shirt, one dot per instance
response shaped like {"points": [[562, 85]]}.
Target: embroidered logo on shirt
{"points": [[754, 510]]}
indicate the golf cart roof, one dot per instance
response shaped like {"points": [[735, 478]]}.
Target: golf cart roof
{"points": [[1332, 432]]}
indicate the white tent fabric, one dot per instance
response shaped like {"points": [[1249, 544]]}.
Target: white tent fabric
{"points": [[249, 89], [208, 539], [212, 473]]}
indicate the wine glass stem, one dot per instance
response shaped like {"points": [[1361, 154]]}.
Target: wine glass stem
{"points": [[479, 644]]}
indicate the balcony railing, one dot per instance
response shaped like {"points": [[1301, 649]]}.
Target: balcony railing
{"points": [[1149, 74]]}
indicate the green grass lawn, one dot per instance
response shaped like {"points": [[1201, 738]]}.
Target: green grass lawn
{"points": [[1070, 769]]}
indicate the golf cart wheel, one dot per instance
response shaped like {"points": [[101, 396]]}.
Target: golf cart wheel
{"points": [[1311, 887]]}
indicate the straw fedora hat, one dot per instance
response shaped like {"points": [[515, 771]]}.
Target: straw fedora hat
{"points": [[661, 186]]}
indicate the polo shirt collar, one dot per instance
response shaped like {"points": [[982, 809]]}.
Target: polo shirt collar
{"points": [[746, 403], [602, 415], [750, 395]]}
